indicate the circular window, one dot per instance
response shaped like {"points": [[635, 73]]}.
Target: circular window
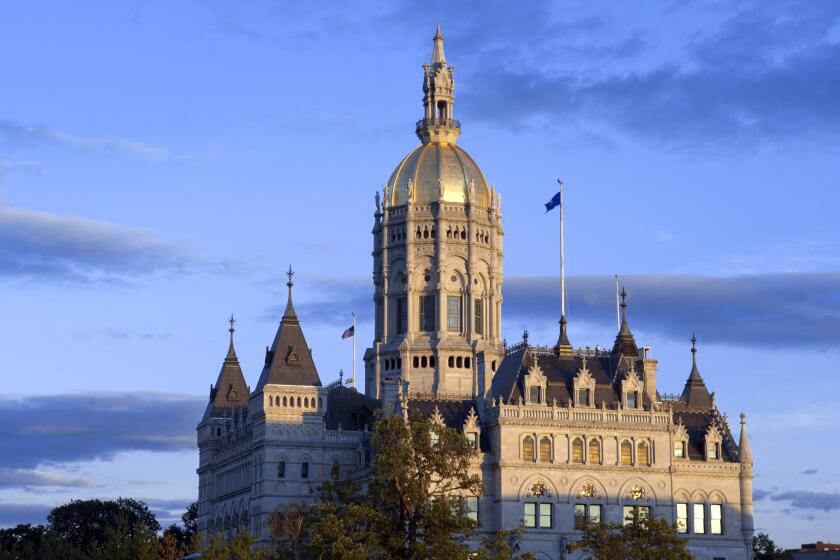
{"points": [[427, 278]]}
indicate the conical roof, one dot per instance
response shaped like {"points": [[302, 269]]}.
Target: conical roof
{"points": [[289, 360], [438, 57], [695, 394], [625, 344], [744, 451], [230, 390]]}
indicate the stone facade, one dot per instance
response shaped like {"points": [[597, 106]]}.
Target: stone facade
{"points": [[564, 436]]}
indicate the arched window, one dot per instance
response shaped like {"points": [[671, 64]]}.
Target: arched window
{"points": [[545, 450], [467, 362], [459, 361], [528, 448], [335, 470], [305, 402], [493, 365], [291, 401], [626, 453], [577, 450], [399, 363], [281, 469], [416, 362], [452, 361], [320, 402], [270, 401], [643, 454], [298, 402], [594, 452], [304, 470], [424, 362], [285, 403]]}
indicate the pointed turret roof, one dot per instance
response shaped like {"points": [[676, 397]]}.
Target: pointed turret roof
{"points": [[744, 451], [438, 57], [230, 390], [289, 360], [625, 344], [563, 346], [695, 394]]}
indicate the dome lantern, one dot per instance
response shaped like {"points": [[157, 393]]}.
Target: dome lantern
{"points": [[437, 124]]}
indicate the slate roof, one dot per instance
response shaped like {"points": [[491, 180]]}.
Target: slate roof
{"points": [[560, 372], [351, 409], [230, 390], [696, 424], [289, 360], [453, 412]]}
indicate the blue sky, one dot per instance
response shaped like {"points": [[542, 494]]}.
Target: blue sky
{"points": [[161, 164]]}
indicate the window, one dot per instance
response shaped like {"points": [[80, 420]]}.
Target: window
{"points": [[335, 470], [713, 450], [716, 519], [304, 470], [699, 519], [577, 450], [469, 505], [587, 514], [626, 453], [281, 469], [453, 313], [402, 315], [478, 316], [472, 439], [545, 450], [643, 454], [594, 451], [434, 438], [679, 449], [534, 395], [583, 397], [452, 361], [682, 518], [632, 401], [528, 448], [635, 514], [545, 516], [427, 313], [529, 516]]}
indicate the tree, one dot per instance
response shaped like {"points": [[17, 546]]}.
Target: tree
{"points": [[765, 549], [85, 524], [500, 546], [124, 541], [648, 539], [411, 509]]}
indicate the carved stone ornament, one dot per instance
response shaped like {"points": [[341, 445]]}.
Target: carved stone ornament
{"points": [[588, 490], [540, 489], [637, 493]]}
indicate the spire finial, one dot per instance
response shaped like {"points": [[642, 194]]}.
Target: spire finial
{"points": [[231, 321], [693, 348], [743, 419], [231, 351], [290, 273], [341, 377], [525, 337], [623, 297]]}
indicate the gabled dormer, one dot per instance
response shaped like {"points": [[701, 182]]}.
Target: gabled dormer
{"points": [[713, 444], [631, 389], [584, 387], [534, 382]]}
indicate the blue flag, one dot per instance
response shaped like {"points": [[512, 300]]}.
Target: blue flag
{"points": [[551, 204]]}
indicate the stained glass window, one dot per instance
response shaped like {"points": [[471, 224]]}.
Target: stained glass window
{"points": [[577, 451]]}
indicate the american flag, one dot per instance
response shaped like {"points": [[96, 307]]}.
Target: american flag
{"points": [[348, 333]]}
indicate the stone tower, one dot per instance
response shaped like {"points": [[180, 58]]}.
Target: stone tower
{"points": [[437, 260]]}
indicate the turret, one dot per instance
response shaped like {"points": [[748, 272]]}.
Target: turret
{"points": [[695, 394], [746, 459], [437, 124]]}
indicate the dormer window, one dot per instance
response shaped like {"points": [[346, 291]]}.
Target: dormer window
{"points": [[583, 397], [632, 399], [679, 450], [535, 394], [472, 439], [713, 451]]}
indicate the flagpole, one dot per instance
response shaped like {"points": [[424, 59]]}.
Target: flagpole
{"points": [[354, 351], [617, 306], [562, 258]]}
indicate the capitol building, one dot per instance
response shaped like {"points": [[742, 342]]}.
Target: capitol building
{"points": [[564, 435]]}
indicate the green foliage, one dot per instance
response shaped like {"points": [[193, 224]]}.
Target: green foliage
{"points": [[499, 546], [649, 539], [237, 548], [411, 509], [85, 524], [765, 549]]}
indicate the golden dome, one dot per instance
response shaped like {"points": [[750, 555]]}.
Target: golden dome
{"points": [[438, 172]]}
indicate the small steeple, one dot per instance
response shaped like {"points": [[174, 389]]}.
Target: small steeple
{"points": [[563, 346], [289, 360], [437, 54], [744, 451], [437, 124], [290, 314], [695, 394], [625, 344], [230, 391]]}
